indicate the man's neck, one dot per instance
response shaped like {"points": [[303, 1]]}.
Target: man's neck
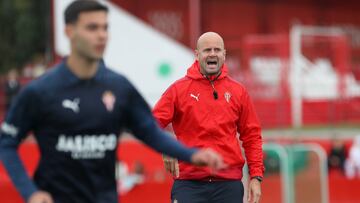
{"points": [[82, 67]]}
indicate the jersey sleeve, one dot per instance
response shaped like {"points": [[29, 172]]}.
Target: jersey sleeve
{"points": [[164, 109], [141, 122], [250, 135], [18, 122]]}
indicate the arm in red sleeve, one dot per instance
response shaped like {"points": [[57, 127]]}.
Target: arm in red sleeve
{"points": [[165, 107], [250, 135]]}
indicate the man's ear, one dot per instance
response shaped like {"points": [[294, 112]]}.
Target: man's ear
{"points": [[196, 54], [69, 30]]}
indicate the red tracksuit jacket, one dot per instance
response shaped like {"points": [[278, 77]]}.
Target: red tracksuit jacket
{"points": [[200, 120]]}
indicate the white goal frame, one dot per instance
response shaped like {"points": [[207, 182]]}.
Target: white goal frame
{"points": [[296, 57]]}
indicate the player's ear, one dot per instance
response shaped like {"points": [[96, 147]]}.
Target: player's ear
{"points": [[69, 30]]}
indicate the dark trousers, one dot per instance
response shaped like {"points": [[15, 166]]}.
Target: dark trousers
{"points": [[190, 191]]}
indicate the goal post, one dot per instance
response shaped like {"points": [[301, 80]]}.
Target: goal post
{"points": [[323, 41]]}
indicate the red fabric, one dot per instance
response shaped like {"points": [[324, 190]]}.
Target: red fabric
{"points": [[199, 120]]}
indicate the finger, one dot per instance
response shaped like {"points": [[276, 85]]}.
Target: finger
{"points": [[164, 161], [257, 197], [176, 168], [249, 195], [173, 167], [166, 165], [168, 168], [216, 161], [220, 165]]}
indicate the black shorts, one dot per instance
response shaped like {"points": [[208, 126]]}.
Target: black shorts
{"points": [[190, 191]]}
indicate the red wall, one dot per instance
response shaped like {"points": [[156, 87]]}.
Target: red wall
{"points": [[169, 17], [239, 20], [235, 19], [156, 188]]}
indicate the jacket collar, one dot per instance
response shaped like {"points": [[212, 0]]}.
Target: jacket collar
{"points": [[194, 71], [71, 78]]}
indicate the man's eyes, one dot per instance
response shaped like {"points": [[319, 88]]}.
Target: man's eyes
{"points": [[95, 27], [215, 50]]}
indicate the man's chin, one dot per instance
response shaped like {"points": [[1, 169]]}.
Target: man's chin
{"points": [[212, 71], [96, 58]]}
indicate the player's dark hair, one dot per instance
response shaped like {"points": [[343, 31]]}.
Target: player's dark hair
{"points": [[73, 11]]}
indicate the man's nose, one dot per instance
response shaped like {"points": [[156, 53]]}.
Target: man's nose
{"points": [[103, 34]]}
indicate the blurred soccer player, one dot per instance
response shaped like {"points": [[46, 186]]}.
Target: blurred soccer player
{"points": [[207, 109], [76, 111]]}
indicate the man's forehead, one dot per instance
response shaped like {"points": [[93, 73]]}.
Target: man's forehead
{"points": [[92, 16], [204, 44], [210, 40]]}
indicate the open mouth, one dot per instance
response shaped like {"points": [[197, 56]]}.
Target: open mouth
{"points": [[212, 63], [100, 47]]}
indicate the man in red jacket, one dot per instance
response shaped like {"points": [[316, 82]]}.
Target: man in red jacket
{"points": [[209, 109]]}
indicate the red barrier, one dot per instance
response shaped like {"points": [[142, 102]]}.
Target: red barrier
{"points": [[156, 188]]}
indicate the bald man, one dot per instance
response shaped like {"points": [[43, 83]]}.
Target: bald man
{"points": [[207, 109]]}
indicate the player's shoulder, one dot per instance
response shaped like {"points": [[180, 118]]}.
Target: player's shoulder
{"points": [[112, 75], [179, 83], [48, 80], [113, 78], [235, 84]]}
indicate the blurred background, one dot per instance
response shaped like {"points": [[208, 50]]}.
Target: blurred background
{"points": [[299, 59]]}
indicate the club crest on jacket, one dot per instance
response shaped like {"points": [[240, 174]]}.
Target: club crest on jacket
{"points": [[108, 99]]}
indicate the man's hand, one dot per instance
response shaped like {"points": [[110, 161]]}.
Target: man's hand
{"points": [[171, 165], [254, 192], [40, 197], [208, 157]]}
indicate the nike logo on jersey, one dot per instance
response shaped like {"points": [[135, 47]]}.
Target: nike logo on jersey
{"points": [[73, 105], [195, 97]]}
